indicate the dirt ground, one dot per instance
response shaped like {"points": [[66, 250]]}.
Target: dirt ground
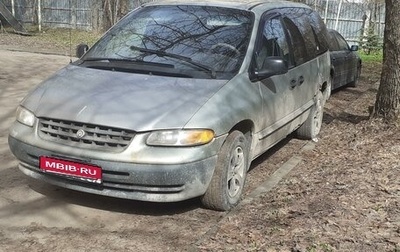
{"points": [[343, 195]]}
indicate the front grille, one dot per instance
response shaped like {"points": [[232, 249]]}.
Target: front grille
{"points": [[82, 135]]}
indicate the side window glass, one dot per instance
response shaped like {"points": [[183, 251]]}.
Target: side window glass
{"points": [[317, 42], [320, 31], [273, 42], [300, 17], [333, 45], [298, 43], [342, 43]]}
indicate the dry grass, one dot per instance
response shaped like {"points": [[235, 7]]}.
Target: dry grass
{"points": [[54, 41], [344, 196]]}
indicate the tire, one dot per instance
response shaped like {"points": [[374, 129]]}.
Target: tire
{"points": [[226, 186], [355, 81], [312, 126]]}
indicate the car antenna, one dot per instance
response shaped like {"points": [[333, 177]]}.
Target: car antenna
{"points": [[70, 46]]}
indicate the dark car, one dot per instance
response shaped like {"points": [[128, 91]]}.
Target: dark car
{"points": [[345, 60]]}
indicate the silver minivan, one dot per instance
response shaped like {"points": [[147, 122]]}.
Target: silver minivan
{"points": [[176, 100]]}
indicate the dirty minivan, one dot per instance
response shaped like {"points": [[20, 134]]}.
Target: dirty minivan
{"points": [[176, 100]]}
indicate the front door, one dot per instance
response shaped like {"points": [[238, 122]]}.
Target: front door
{"points": [[276, 91]]}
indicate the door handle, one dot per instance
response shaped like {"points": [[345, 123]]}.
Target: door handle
{"points": [[301, 80], [293, 84]]}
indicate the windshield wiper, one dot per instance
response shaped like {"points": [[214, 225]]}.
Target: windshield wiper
{"points": [[176, 56], [124, 61], [112, 59]]}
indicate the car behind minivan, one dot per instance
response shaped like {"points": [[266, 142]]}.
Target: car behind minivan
{"points": [[346, 63], [176, 100]]}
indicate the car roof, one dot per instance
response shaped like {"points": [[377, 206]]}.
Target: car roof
{"points": [[335, 33], [332, 30], [237, 4]]}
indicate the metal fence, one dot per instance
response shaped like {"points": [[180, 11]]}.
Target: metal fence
{"points": [[351, 19], [67, 13], [53, 13], [23, 10]]}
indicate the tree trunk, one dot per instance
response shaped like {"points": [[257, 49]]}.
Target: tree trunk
{"points": [[123, 9], [387, 103], [114, 10], [97, 16]]}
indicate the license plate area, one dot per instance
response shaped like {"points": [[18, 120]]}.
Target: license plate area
{"points": [[71, 169]]}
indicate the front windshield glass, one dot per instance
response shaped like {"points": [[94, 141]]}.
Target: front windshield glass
{"points": [[192, 38]]}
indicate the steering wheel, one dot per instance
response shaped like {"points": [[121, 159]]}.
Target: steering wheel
{"points": [[230, 48]]}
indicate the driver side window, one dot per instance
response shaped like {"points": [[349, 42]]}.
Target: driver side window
{"points": [[273, 42], [342, 43]]}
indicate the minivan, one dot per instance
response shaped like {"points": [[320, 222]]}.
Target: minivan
{"points": [[176, 100]]}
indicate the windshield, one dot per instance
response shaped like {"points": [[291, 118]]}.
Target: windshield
{"points": [[205, 39]]}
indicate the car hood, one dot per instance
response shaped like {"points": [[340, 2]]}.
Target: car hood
{"points": [[125, 100]]}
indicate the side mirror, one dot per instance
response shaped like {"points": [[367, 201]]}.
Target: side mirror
{"points": [[81, 49], [272, 66], [354, 48]]}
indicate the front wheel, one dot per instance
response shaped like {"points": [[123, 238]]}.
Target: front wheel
{"points": [[312, 126], [229, 177]]}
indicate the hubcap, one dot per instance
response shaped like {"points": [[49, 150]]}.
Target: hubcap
{"points": [[236, 172]]}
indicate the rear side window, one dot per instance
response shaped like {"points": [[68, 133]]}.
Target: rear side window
{"points": [[312, 28], [320, 31], [297, 41], [299, 17]]}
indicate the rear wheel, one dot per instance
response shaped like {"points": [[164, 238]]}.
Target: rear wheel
{"points": [[312, 126], [229, 177]]}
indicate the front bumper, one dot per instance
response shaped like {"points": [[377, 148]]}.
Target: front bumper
{"points": [[129, 180]]}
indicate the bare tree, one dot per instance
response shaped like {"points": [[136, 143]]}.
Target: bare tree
{"points": [[114, 10], [387, 103]]}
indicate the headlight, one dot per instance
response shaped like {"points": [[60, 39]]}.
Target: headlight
{"points": [[180, 137], [24, 116]]}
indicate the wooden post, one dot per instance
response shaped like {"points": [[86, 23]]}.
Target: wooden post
{"points": [[326, 10], [338, 14], [74, 20], [13, 8], [39, 14]]}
